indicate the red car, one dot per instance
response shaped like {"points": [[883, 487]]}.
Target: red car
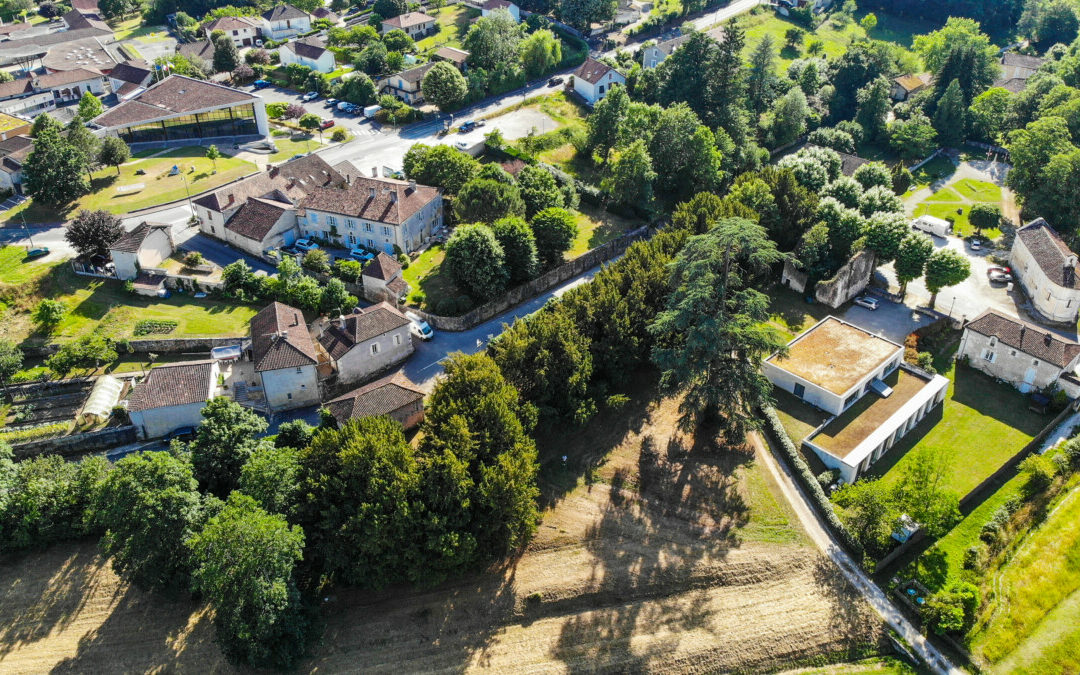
{"points": [[326, 124]]}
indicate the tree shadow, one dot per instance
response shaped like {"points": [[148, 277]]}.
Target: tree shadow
{"points": [[856, 627]]}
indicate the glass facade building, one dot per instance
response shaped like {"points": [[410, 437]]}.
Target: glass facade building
{"points": [[235, 121]]}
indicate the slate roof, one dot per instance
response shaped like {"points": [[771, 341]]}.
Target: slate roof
{"points": [[1025, 337], [256, 218], [668, 46], [408, 19], [361, 326], [293, 179], [135, 72], [8, 29], [309, 48], [13, 151], [66, 77], [1050, 252], [372, 199], [1022, 60], [280, 339], [383, 267], [592, 71], [413, 74], [16, 88], [324, 13], [283, 12], [173, 384], [132, 241], [175, 95], [381, 397], [76, 20], [1013, 85]]}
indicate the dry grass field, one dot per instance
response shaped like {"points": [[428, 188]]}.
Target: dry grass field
{"points": [[682, 559]]}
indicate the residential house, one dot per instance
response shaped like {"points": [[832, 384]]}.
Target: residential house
{"points": [[861, 381], [130, 78], [202, 50], [181, 110], [285, 184], [144, 247], [310, 52], [416, 25], [261, 225], [655, 54], [377, 213], [86, 8], [382, 280], [1016, 69], [324, 14], [394, 396], [593, 79], [13, 152], [486, 8], [1027, 356], [908, 85], [244, 30], [284, 22], [70, 85], [1047, 271], [366, 342], [458, 57], [172, 396], [285, 357], [406, 84]]}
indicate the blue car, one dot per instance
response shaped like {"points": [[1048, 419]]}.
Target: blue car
{"points": [[360, 255], [262, 84], [305, 245]]}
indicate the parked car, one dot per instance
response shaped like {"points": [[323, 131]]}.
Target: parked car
{"points": [[261, 84], [305, 245], [183, 434], [326, 124], [419, 327], [310, 96], [466, 127], [555, 81], [343, 106], [360, 255], [1001, 275], [39, 252], [331, 102], [867, 302], [462, 145]]}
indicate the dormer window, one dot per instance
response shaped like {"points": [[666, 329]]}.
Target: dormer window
{"points": [[993, 341]]}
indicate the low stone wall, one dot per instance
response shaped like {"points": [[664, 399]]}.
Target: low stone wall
{"points": [[529, 290], [155, 346], [77, 443]]}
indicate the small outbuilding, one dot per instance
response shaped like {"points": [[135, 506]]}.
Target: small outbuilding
{"points": [[394, 396], [172, 396]]}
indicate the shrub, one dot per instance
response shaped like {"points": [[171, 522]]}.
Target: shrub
{"points": [[1039, 473], [155, 327], [339, 135], [972, 557], [827, 478], [194, 259]]}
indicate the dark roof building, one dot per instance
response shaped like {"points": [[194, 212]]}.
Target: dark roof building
{"points": [[394, 396], [293, 180], [135, 72], [309, 48], [256, 218], [203, 49], [65, 78], [14, 151], [383, 268], [231, 23], [408, 20], [452, 54], [132, 241], [283, 12], [592, 71], [326, 15], [360, 326], [173, 384], [280, 339], [377, 199], [1025, 337], [1051, 253]]}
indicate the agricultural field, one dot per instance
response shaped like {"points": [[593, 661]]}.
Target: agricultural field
{"points": [[678, 560]]}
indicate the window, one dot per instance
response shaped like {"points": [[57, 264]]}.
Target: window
{"points": [[798, 390], [349, 222], [371, 243], [375, 348], [352, 239], [368, 227], [299, 369], [386, 231], [601, 91], [313, 217], [290, 396], [397, 339], [989, 356], [331, 220], [851, 399], [993, 341]]}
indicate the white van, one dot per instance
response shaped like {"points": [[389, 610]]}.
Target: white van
{"points": [[419, 327], [938, 227]]}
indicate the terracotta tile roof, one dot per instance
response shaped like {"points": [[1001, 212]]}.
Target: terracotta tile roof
{"points": [[382, 267], [85, 6], [309, 48], [458, 56], [66, 77], [132, 241], [174, 384], [204, 49], [398, 286], [592, 71], [228, 23], [1025, 337], [408, 19], [256, 218], [377, 199], [283, 12], [293, 179], [280, 339], [361, 326], [175, 95], [381, 397], [1054, 257], [135, 72]]}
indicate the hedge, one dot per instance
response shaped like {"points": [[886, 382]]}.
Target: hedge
{"points": [[809, 483]]}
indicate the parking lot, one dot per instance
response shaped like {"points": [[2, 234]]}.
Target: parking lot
{"points": [[355, 124]]}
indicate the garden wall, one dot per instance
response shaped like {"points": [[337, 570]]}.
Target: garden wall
{"points": [[77, 443], [849, 280], [156, 346], [531, 289]]}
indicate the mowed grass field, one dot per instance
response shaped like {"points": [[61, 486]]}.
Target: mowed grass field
{"points": [[680, 561], [954, 202]]}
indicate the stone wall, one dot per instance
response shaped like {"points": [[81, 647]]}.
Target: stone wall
{"points": [[849, 280], [77, 443], [531, 289], [793, 278]]}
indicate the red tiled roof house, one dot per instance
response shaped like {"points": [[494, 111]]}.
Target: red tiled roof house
{"points": [[366, 342], [285, 357]]}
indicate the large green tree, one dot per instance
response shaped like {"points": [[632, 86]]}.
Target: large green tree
{"points": [[226, 56], [476, 261], [915, 249], [606, 119], [630, 175], [539, 190], [483, 200], [874, 106], [540, 52], [53, 172], [492, 41], [950, 118], [445, 86], [89, 107], [913, 138], [442, 166], [93, 232], [946, 267], [581, 13], [269, 475], [555, 230], [519, 248], [223, 442], [1031, 150]]}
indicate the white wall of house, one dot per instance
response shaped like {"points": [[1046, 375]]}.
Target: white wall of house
{"points": [[157, 246], [324, 64], [997, 359], [157, 422], [819, 396], [287, 388], [352, 231], [1054, 302], [127, 264], [594, 92], [283, 233], [416, 32], [374, 355], [29, 105], [75, 90], [286, 28], [241, 37]]}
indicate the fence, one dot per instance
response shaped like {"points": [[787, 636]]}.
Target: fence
{"points": [[77, 443], [531, 289]]}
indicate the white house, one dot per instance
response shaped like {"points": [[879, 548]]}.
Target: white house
{"points": [[285, 357], [486, 8], [144, 247], [1047, 270], [416, 25], [872, 397], [365, 342], [310, 52], [383, 281], [172, 396], [406, 85], [376, 213], [593, 80], [13, 152], [261, 225], [1023, 354], [70, 85], [285, 21], [242, 29], [653, 55]]}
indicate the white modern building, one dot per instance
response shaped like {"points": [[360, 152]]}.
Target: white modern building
{"points": [[144, 247], [1047, 270], [594, 79], [861, 381], [1027, 356], [172, 396], [285, 21], [242, 30]]}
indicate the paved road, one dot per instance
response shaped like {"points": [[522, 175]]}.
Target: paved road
{"points": [[725, 13], [930, 655]]}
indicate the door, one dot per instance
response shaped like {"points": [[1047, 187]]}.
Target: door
{"points": [[1029, 380]]}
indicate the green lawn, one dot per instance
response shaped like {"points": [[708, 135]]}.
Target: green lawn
{"points": [[798, 417], [452, 22], [596, 227], [15, 269], [790, 314], [954, 202], [134, 29], [944, 195], [158, 187], [978, 190], [294, 145], [430, 283]]}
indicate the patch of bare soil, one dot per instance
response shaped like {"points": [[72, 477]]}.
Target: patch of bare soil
{"points": [[679, 559]]}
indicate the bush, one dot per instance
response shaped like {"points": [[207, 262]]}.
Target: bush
{"points": [[155, 327], [972, 557], [339, 135], [194, 259], [1039, 473], [827, 478]]}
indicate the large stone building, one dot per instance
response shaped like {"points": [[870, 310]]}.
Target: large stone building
{"points": [[261, 225], [285, 357], [366, 342], [1025, 355], [1048, 271]]}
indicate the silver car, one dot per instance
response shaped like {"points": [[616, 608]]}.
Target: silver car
{"points": [[867, 302]]}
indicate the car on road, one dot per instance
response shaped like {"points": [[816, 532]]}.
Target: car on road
{"points": [[466, 127], [462, 145], [326, 124], [867, 302], [419, 327], [360, 255], [39, 252], [310, 96], [1001, 275], [976, 244], [305, 245], [555, 81], [261, 84]]}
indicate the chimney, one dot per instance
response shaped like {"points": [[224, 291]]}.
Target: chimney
{"points": [[412, 186], [232, 198], [374, 172], [348, 179], [296, 319], [1048, 339]]}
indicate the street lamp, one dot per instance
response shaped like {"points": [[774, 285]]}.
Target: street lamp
{"points": [[22, 217], [188, 193]]}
